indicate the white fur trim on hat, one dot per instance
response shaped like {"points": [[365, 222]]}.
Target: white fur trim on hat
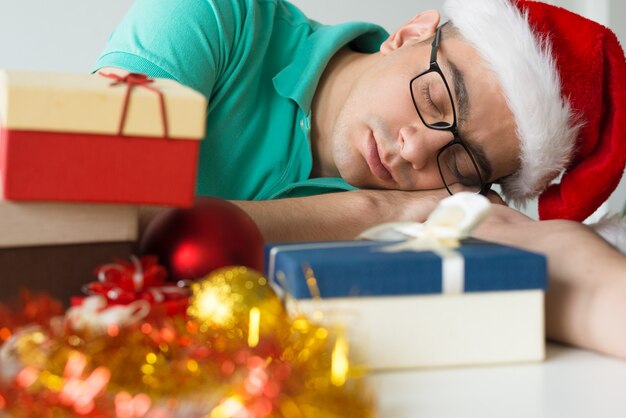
{"points": [[524, 65]]}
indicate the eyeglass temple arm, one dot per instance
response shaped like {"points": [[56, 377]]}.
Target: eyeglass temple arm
{"points": [[486, 188], [435, 45]]}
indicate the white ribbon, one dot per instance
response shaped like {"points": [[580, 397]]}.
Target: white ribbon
{"points": [[94, 314], [452, 220]]}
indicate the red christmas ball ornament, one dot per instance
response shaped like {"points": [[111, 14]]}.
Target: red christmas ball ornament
{"points": [[192, 242]]}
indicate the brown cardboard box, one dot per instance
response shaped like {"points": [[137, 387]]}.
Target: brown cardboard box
{"points": [[59, 270]]}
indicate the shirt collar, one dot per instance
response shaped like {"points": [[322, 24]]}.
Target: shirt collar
{"points": [[298, 80]]}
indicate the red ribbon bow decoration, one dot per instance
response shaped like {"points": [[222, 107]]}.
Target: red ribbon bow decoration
{"points": [[124, 282], [137, 79]]}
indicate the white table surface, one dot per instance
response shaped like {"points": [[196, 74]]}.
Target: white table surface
{"points": [[570, 383]]}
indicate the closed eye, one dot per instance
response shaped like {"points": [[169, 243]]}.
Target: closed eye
{"points": [[428, 101], [460, 166]]}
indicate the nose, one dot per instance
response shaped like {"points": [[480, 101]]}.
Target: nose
{"points": [[420, 145]]}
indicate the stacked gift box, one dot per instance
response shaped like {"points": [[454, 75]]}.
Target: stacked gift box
{"points": [[78, 154], [54, 247], [413, 309]]}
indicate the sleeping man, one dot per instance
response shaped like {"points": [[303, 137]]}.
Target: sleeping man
{"points": [[319, 132]]}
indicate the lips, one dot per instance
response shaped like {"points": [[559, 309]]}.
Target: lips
{"points": [[374, 162]]}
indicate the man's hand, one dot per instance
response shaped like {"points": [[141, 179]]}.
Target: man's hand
{"points": [[587, 278]]}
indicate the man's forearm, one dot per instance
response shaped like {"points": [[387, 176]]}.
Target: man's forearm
{"points": [[336, 216], [587, 289], [330, 216]]}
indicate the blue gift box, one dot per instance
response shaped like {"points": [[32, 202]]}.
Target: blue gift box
{"points": [[407, 312], [360, 268]]}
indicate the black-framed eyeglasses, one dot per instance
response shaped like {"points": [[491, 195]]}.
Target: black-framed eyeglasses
{"points": [[433, 102]]}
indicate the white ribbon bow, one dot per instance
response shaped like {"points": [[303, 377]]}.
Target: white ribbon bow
{"points": [[453, 219], [94, 314]]}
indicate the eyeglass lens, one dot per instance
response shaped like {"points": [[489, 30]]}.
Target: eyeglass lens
{"points": [[433, 100], [434, 105], [457, 166]]}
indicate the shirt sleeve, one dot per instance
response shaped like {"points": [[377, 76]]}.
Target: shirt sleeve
{"points": [[314, 186], [189, 41]]}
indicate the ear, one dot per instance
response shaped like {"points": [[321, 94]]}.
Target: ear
{"points": [[422, 26]]}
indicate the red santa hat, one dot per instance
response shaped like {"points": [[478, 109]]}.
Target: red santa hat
{"points": [[564, 79]]}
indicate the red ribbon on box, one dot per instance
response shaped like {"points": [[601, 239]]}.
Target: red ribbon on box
{"points": [[123, 282], [137, 79]]}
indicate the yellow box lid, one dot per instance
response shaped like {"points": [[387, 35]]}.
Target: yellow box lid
{"points": [[93, 104]]}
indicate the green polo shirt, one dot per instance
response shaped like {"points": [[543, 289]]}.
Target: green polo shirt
{"points": [[258, 62]]}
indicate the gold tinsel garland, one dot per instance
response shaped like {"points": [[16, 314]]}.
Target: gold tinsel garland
{"points": [[236, 353]]}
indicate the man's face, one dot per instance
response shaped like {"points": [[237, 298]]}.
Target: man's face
{"points": [[379, 141]]}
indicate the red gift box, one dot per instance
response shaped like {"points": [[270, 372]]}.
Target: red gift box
{"points": [[95, 138]]}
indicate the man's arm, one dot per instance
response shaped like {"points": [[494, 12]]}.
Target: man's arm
{"points": [[585, 302], [337, 216], [332, 216], [343, 215]]}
